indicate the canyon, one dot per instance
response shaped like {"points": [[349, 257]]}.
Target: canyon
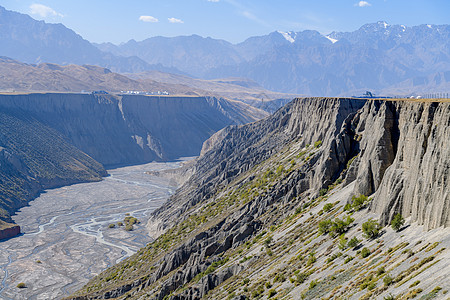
{"points": [[50, 140]]}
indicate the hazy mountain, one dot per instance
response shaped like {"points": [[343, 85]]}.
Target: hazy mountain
{"points": [[193, 54], [31, 41], [377, 57]]}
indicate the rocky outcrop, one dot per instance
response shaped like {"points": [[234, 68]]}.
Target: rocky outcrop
{"points": [[8, 231], [417, 181], [401, 159]]}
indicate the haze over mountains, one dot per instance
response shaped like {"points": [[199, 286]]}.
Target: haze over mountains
{"points": [[378, 57]]}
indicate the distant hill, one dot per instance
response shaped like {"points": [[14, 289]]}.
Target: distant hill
{"points": [[46, 77]]}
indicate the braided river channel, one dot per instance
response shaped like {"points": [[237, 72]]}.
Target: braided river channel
{"points": [[66, 239]]}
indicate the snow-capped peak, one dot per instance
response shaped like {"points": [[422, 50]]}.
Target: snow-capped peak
{"points": [[331, 39], [404, 28], [289, 36], [384, 24], [429, 26]]}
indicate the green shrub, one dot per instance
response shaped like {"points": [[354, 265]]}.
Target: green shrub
{"points": [[353, 243], [111, 225], [322, 192], [359, 202], [312, 259], [327, 207], [324, 226], [348, 259], [343, 242], [339, 226], [414, 283], [397, 222], [279, 278], [317, 144], [372, 285], [371, 229], [348, 207], [129, 227], [268, 241], [388, 280], [21, 285], [272, 292], [389, 297], [381, 271], [280, 170], [312, 284], [246, 280], [365, 252]]}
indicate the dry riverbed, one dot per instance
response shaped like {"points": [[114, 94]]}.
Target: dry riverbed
{"points": [[66, 239]]}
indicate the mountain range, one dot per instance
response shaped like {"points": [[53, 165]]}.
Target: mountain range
{"points": [[377, 57]]}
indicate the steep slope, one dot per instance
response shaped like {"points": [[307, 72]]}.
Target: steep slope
{"points": [[34, 157], [264, 196]]}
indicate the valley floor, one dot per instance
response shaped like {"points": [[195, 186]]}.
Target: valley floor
{"points": [[66, 238]]}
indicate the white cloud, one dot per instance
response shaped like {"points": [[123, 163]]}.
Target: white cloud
{"points": [[44, 11], [174, 20], [363, 4], [148, 19], [213, 0]]}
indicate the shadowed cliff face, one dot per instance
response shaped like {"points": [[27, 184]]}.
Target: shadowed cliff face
{"points": [[34, 157], [253, 179], [125, 130]]}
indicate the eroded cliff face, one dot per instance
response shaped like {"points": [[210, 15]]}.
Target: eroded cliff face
{"points": [[124, 130], [252, 206], [403, 160]]}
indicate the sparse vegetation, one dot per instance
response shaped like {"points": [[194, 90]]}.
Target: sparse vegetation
{"points": [[359, 202], [271, 293], [327, 207], [353, 243], [365, 252], [371, 229], [312, 259], [397, 222], [388, 280]]}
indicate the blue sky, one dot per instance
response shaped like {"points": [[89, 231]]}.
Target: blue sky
{"points": [[232, 20]]}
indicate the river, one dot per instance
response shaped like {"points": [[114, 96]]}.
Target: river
{"points": [[66, 237]]}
